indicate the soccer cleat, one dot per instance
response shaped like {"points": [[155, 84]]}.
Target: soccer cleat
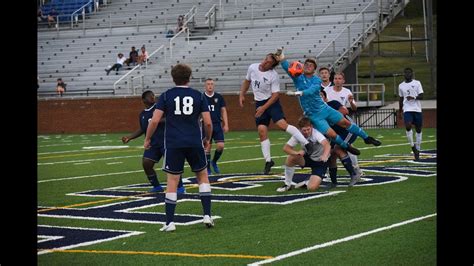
{"points": [[358, 171], [352, 149], [157, 189], [331, 185], [284, 188], [268, 167], [370, 140], [301, 184], [181, 190], [168, 228], [215, 168], [309, 148], [207, 220], [354, 180], [416, 153]]}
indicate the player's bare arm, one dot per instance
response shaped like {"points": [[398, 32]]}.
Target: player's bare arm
{"points": [[157, 114], [225, 123], [291, 151], [243, 90], [134, 135], [206, 117]]}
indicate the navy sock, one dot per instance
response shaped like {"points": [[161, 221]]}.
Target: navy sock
{"points": [[217, 155], [153, 180], [170, 206], [333, 174], [355, 129], [206, 202], [347, 162], [208, 158]]}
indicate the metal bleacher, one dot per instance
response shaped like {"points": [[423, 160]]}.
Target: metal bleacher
{"points": [[245, 32]]}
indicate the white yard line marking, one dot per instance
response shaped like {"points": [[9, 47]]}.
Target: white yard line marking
{"points": [[340, 240]]}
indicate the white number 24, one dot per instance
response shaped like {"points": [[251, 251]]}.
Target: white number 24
{"points": [[187, 105]]}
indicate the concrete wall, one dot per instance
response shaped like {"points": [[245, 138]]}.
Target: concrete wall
{"points": [[121, 114]]}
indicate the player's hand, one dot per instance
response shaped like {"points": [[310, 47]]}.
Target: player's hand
{"points": [[241, 100], [225, 128], [125, 140], [410, 98], [324, 158], [206, 143], [300, 153], [147, 144], [279, 56], [259, 112], [350, 98]]}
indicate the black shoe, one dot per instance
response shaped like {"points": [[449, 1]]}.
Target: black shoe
{"points": [[309, 147], [268, 166], [370, 140], [352, 149], [416, 153]]}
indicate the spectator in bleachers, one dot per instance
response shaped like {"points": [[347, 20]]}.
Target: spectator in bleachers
{"points": [[52, 17], [41, 17], [143, 57], [180, 23], [117, 66], [60, 87], [133, 57]]}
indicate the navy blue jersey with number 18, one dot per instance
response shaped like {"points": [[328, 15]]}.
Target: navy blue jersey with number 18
{"points": [[182, 107]]}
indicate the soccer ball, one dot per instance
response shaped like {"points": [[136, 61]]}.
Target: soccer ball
{"points": [[295, 68]]}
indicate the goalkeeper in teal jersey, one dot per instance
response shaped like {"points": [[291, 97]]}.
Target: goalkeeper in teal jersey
{"points": [[307, 87]]}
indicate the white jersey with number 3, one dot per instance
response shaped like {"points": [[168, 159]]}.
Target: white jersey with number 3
{"points": [[263, 83], [412, 88]]}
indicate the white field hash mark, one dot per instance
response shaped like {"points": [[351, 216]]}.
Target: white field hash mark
{"points": [[340, 240]]}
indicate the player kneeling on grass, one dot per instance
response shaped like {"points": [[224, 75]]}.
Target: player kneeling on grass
{"points": [[317, 159]]}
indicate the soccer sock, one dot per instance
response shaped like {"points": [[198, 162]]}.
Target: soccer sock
{"points": [[205, 195], [217, 155], [355, 129], [346, 161], [333, 174], [170, 206], [340, 142], [208, 158], [354, 159], [266, 150], [297, 134], [289, 172], [153, 180], [418, 141], [180, 184], [410, 137]]}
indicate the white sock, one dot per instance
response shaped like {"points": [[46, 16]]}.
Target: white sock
{"points": [[266, 150], [289, 172], [355, 161], [410, 137], [418, 140], [297, 134]]}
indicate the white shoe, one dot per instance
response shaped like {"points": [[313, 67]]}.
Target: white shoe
{"points": [[284, 188], [207, 220], [354, 180], [168, 228]]}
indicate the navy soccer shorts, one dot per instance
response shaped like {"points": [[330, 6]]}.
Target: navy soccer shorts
{"points": [[317, 168], [415, 118], [174, 160], [274, 112], [217, 132], [154, 153]]}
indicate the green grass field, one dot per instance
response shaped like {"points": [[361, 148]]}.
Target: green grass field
{"points": [[246, 232]]}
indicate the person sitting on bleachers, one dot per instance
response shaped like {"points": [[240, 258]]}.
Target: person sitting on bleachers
{"points": [[60, 87], [133, 57], [41, 17], [143, 57], [52, 16], [117, 66]]}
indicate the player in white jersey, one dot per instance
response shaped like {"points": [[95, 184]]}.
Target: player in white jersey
{"points": [[340, 93], [316, 159], [411, 92], [324, 75], [344, 96], [266, 90]]}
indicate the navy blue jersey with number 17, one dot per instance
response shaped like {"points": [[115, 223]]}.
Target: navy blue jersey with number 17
{"points": [[182, 107]]}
